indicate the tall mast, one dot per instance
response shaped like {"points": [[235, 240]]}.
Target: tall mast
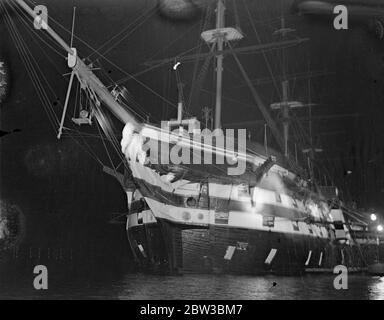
{"points": [[220, 22], [285, 104], [285, 89], [216, 38], [285, 107]]}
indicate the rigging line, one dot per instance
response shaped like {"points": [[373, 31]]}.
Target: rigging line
{"points": [[105, 147], [45, 54], [134, 104], [115, 143], [241, 103], [130, 99], [30, 69], [78, 133], [88, 150], [33, 61], [236, 14], [25, 51], [119, 68], [233, 72], [41, 98], [125, 36], [121, 162], [67, 31], [203, 26], [265, 113], [182, 35], [73, 25], [355, 215], [195, 91], [263, 53], [131, 109], [85, 145], [139, 73], [42, 95], [142, 84], [37, 84], [147, 12], [77, 100], [304, 135], [137, 80], [150, 68], [23, 13], [102, 118], [97, 61], [155, 66]]}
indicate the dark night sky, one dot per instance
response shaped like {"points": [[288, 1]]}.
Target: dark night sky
{"points": [[64, 191]]}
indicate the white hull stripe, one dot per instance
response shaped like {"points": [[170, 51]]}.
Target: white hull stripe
{"points": [[175, 193], [170, 198], [237, 219]]}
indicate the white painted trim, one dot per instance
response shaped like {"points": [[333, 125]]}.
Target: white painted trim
{"points": [[251, 220], [142, 250], [270, 256], [308, 258], [229, 253]]}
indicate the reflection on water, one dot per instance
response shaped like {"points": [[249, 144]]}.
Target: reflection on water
{"points": [[376, 290], [139, 286], [242, 287]]}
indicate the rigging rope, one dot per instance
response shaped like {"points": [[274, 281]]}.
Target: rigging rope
{"points": [[147, 14], [195, 90], [113, 64], [263, 52], [30, 64], [204, 69]]}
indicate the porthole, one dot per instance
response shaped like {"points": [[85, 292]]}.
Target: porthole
{"points": [[186, 216], [191, 202]]}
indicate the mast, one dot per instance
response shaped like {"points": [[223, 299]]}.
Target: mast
{"points": [[85, 75], [285, 104], [216, 38], [285, 88], [220, 22], [312, 152], [285, 107], [180, 93]]}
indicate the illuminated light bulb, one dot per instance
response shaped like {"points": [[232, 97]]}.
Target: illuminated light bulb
{"points": [[380, 228], [373, 217]]}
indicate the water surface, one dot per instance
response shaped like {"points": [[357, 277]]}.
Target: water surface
{"points": [[192, 287]]}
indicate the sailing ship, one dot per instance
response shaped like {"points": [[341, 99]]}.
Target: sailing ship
{"points": [[195, 217]]}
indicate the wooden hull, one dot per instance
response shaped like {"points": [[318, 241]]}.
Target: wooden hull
{"points": [[176, 249]]}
